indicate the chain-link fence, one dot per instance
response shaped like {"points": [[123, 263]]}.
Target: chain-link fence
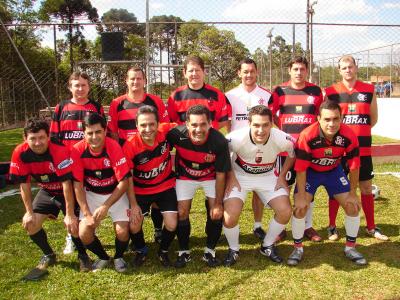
{"points": [[158, 36]]}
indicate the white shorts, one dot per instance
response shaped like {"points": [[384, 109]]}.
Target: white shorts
{"points": [[264, 186], [185, 189], [118, 211]]}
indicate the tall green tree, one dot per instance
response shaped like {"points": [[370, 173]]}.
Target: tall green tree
{"points": [[116, 19]]}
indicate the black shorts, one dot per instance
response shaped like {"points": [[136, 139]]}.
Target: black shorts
{"points": [[166, 201], [48, 204], [366, 168], [290, 175]]}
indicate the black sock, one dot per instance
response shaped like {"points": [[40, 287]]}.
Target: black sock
{"points": [[138, 239], [120, 247], [97, 248], [79, 246], [156, 217], [166, 239], [40, 239], [213, 231], [183, 233]]}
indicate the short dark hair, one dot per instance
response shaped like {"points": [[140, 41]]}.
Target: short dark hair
{"points": [[198, 110], [331, 105], [298, 60], [76, 75], [136, 69], [93, 119], [194, 60], [33, 125], [260, 110], [147, 109], [247, 61]]}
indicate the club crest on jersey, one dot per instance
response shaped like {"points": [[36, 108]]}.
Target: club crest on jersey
{"points": [[79, 125], [352, 107], [51, 167], [44, 178], [258, 158], [195, 166], [328, 152], [210, 102], [362, 97], [339, 141], [299, 109], [209, 157], [163, 148], [106, 162], [98, 174], [261, 101], [311, 99]]}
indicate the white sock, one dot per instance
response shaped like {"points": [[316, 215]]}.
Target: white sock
{"points": [[257, 224], [309, 215], [274, 230], [351, 224], [232, 236], [298, 226], [208, 250]]}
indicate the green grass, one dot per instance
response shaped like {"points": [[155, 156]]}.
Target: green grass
{"points": [[379, 140], [9, 139], [324, 273]]}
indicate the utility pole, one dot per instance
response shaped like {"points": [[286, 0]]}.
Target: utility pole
{"points": [[269, 35]]}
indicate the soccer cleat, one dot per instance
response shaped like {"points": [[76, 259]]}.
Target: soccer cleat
{"points": [[100, 264], [140, 258], [355, 256], [69, 245], [157, 235], [312, 235], [281, 236], [47, 260], [85, 263], [164, 258], [271, 252], [182, 260], [35, 274], [120, 265], [376, 233], [231, 258], [333, 234], [41, 269], [259, 233], [295, 257], [211, 260]]}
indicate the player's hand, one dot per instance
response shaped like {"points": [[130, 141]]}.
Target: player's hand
{"points": [[135, 216], [29, 219], [100, 213], [71, 223], [89, 221], [216, 212], [232, 183], [281, 183]]}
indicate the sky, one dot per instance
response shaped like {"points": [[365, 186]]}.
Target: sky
{"points": [[329, 41]]}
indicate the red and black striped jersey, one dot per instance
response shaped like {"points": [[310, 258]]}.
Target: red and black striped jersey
{"points": [[123, 110], [49, 169], [151, 165], [184, 97], [100, 172], [314, 151], [296, 109], [356, 110], [66, 124], [199, 162]]}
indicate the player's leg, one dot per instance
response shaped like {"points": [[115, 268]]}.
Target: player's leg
{"points": [[258, 211], [136, 231], [157, 218]]}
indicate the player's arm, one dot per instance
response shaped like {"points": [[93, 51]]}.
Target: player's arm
{"points": [[26, 195], [136, 212], [217, 210], [301, 196], [374, 111], [81, 199], [288, 164], [70, 220], [112, 125]]}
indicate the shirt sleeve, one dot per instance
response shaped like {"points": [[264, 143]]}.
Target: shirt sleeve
{"points": [[77, 170], [353, 152], [127, 149], [173, 115], [303, 154], [225, 111], [118, 161], [55, 125], [112, 124], [223, 159], [63, 163], [162, 111], [19, 173]]}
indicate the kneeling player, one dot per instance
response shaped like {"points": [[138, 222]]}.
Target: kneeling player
{"points": [[319, 150], [100, 181], [148, 154], [255, 151], [50, 165]]}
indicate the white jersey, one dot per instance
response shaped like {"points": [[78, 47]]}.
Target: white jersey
{"points": [[241, 102], [252, 159]]}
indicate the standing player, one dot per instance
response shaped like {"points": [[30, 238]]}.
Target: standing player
{"points": [[243, 97], [50, 165], [360, 112], [295, 106], [101, 175], [198, 92], [122, 125], [254, 153], [148, 154], [319, 150], [202, 160], [66, 124]]}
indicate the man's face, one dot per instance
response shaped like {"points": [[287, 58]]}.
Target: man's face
{"points": [[147, 127], [298, 73], [348, 70], [329, 121], [79, 88], [95, 136], [260, 128], [198, 127], [135, 81], [38, 142], [248, 74], [194, 75]]}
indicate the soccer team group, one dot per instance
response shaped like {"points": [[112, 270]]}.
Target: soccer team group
{"points": [[89, 167]]}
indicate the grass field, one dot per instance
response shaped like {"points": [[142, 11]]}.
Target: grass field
{"points": [[323, 274]]}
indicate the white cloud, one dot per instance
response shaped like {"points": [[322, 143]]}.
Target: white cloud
{"points": [[156, 5], [391, 5]]}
